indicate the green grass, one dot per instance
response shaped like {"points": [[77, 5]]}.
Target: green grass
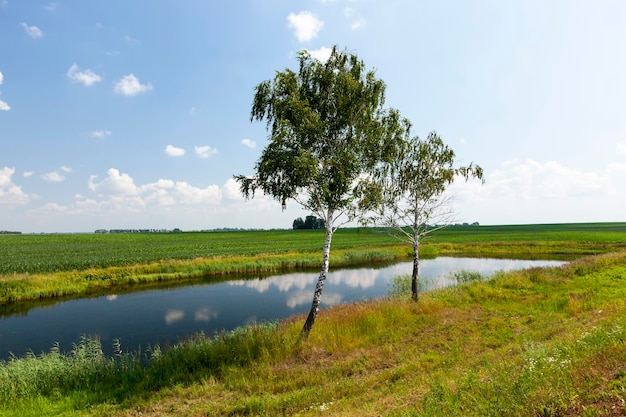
{"points": [[537, 342]]}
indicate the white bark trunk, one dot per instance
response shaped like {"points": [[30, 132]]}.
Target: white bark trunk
{"points": [[317, 295]]}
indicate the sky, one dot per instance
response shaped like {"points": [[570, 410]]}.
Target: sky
{"points": [[117, 114]]}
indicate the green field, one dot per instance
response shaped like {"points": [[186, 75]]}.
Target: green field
{"points": [[65, 252], [33, 254], [565, 232]]}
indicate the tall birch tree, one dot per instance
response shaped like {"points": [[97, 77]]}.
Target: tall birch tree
{"points": [[327, 130], [414, 185]]}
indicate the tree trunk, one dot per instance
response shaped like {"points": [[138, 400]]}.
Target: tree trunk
{"points": [[416, 266], [317, 295]]}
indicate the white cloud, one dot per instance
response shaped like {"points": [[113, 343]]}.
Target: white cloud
{"points": [[32, 31], [9, 192], [305, 25], [536, 192], [87, 77], [231, 190], [188, 194], [621, 147], [4, 3], [321, 54], [117, 201], [53, 176], [249, 143], [129, 85], [28, 174], [57, 176], [115, 183], [174, 151], [205, 151], [1, 78], [101, 133]]}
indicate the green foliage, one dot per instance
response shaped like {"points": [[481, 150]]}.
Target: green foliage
{"points": [[327, 128], [400, 286], [463, 276]]}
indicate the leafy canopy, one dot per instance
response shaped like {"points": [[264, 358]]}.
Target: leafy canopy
{"points": [[327, 129], [414, 184]]}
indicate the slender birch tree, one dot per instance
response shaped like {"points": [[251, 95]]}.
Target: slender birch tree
{"points": [[414, 186], [327, 130]]}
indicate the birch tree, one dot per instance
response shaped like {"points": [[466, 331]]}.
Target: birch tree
{"points": [[414, 185], [327, 129]]}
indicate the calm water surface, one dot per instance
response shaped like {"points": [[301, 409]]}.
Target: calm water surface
{"points": [[166, 316]]}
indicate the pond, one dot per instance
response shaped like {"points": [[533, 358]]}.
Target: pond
{"points": [[167, 315]]}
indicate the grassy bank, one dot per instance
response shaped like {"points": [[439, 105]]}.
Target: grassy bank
{"points": [[49, 266], [541, 342]]}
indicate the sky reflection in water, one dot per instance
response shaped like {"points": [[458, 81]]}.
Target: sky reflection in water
{"points": [[169, 315]]}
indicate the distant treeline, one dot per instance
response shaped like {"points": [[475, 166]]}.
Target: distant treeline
{"points": [[101, 231], [9, 232], [310, 222]]}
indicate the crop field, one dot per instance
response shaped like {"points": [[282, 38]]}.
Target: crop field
{"points": [[65, 252], [566, 232], [48, 253]]}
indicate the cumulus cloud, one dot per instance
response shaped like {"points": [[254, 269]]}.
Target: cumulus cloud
{"points": [[129, 85], [115, 183], [249, 143], [57, 175], [9, 192], [621, 147], [28, 174], [87, 77], [541, 192], [305, 24], [101, 133], [116, 200], [32, 31], [174, 151], [205, 151], [53, 176], [321, 54]]}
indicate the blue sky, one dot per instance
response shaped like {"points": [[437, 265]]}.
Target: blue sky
{"points": [[118, 114]]}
